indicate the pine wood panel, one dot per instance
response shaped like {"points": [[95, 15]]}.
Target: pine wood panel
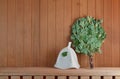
{"points": [[3, 32], [32, 32], [115, 33], [43, 32], [59, 25], [27, 34], [35, 32], [67, 21], [107, 26], [51, 56], [19, 32], [11, 24]]}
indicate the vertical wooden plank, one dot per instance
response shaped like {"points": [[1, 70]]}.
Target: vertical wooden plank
{"points": [[83, 59], [59, 24], [19, 33], [38, 77], [27, 33], [67, 21], [84, 77], [96, 77], [91, 8], [51, 54], [107, 77], [3, 33], [99, 59], [73, 77], [43, 33], [35, 32], [50, 77], [3, 77], [119, 27], [83, 8], [115, 33], [15, 77], [75, 10], [27, 77], [108, 29], [62, 77], [11, 32]]}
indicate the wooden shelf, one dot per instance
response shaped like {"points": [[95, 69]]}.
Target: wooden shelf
{"points": [[24, 71]]}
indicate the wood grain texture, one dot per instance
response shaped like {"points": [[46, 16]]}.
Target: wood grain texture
{"points": [[73, 77], [43, 32], [115, 33], [51, 55], [43, 71], [32, 32], [96, 77], [15, 77], [107, 77], [38, 77], [108, 29], [3, 32], [61, 77], [19, 33], [50, 77], [27, 34], [67, 21], [84, 77], [59, 25], [11, 57], [27, 77], [35, 32]]}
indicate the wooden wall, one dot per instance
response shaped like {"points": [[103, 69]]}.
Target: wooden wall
{"points": [[32, 32]]}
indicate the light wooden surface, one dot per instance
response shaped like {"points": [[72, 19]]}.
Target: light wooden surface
{"points": [[32, 32], [73, 77], [57, 72], [84, 77], [50, 77], [61, 77], [108, 77], [96, 77]]}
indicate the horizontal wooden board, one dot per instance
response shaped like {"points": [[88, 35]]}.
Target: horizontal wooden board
{"points": [[57, 72]]}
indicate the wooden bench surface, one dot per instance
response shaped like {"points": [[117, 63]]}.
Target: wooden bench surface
{"points": [[53, 71]]}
